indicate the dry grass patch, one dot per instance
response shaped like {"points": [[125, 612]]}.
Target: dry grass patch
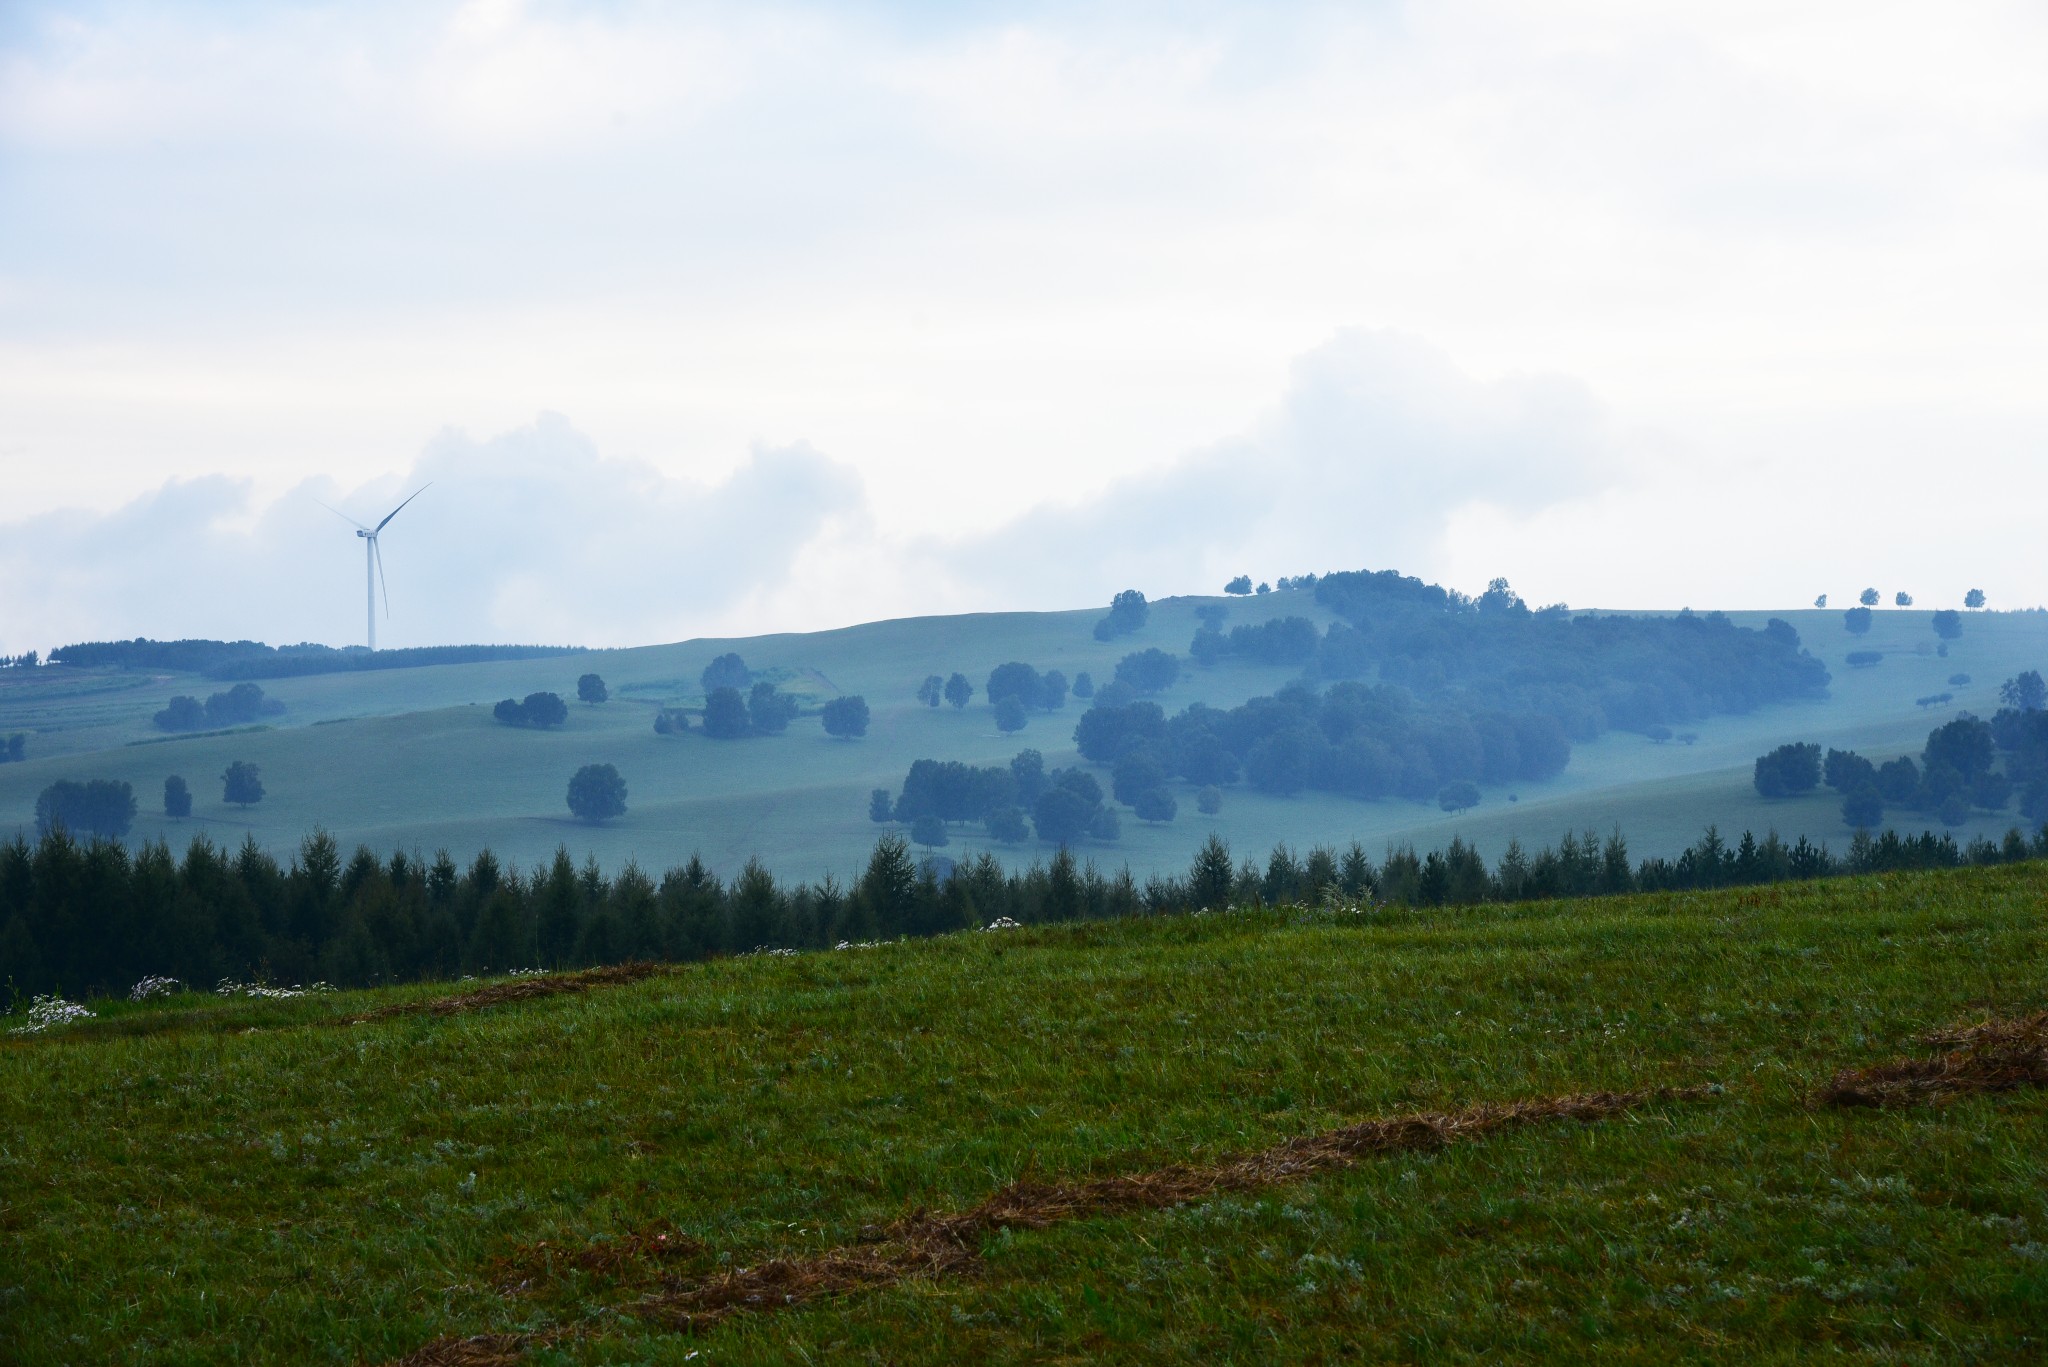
{"points": [[517, 990], [1991, 1056]]}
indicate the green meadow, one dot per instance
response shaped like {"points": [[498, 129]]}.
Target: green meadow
{"points": [[410, 759], [200, 1180]]}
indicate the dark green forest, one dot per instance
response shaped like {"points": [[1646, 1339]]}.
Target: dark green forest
{"points": [[94, 918]]}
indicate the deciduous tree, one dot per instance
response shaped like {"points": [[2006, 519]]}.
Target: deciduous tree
{"points": [[597, 793]]}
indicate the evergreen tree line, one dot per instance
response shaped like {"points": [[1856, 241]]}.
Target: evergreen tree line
{"points": [[94, 918]]}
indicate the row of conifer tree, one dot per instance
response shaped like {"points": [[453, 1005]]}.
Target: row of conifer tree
{"points": [[93, 918]]}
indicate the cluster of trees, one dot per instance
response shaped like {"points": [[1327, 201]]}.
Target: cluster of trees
{"points": [[14, 749], [1009, 801], [1361, 740], [1127, 613], [954, 689], [1015, 689], [1966, 764], [255, 660], [238, 706], [105, 808], [535, 709], [1242, 586], [28, 661], [1151, 670], [764, 711], [1864, 659], [1281, 641], [93, 918], [1590, 672]]}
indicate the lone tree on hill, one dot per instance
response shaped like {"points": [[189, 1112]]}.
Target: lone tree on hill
{"points": [[1010, 715], [177, 798], [928, 831], [1974, 599], [1902, 599], [1457, 797], [1209, 801], [1821, 601], [591, 689], [727, 671], [1868, 598], [1948, 624], [1052, 690], [242, 784], [1241, 586], [958, 690], [1856, 621], [597, 793], [846, 718], [879, 806], [931, 690], [1084, 685]]}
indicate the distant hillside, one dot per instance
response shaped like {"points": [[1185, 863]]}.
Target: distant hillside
{"points": [[254, 660], [1347, 709]]}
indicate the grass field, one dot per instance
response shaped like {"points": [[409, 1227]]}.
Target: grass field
{"points": [[410, 758], [205, 1180]]}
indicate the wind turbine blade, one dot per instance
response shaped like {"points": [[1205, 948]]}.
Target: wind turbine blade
{"points": [[343, 516], [382, 583], [401, 507]]}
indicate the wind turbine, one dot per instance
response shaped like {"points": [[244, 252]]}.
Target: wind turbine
{"points": [[373, 558]]}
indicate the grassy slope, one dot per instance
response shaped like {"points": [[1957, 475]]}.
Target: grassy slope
{"points": [[204, 1181], [409, 758]]}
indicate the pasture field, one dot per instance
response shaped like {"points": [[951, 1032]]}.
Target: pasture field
{"points": [[410, 759], [202, 1179]]}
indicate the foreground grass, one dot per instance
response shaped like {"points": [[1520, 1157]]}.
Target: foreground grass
{"points": [[204, 1181]]}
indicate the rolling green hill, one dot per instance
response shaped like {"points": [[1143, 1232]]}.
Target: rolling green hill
{"points": [[409, 759], [1240, 1137]]}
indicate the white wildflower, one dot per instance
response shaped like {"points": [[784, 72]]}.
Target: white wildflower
{"points": [[153, 987], [45, 1012]]}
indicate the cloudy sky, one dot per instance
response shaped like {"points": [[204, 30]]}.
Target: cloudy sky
{"points": [[726, 318]]}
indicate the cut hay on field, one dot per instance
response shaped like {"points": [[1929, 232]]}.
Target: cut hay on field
{"points": [[1990, 1056], [927, 1244], [517, 990]]}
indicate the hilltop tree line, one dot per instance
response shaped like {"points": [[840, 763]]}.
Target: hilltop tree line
{"points": [[1967, 764], [86, 919], [255, 660]]}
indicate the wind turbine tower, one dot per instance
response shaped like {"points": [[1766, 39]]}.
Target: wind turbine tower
{"points": [[373, 559]]}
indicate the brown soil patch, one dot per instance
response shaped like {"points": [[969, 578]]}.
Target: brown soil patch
{"points": [[517, 990], [1990, 1056]]}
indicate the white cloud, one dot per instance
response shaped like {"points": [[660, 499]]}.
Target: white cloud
{"points": [[1000, 259], [531, 536]]}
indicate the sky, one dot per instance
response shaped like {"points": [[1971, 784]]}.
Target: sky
{"points": [[710, 319]]}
